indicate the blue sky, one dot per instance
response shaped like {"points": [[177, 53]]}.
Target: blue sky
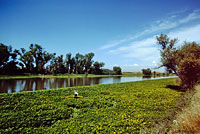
{"points": [[119, 32]]}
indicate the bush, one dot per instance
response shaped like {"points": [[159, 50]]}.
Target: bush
{"points": [[146, 71], [117, 70], [189, 64]]}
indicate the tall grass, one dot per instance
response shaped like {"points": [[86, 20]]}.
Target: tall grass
{"points": [[188, 121], [184, 120]]}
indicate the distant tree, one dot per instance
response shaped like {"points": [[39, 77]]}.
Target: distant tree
{"points": [[40, 57], [183, 61], [146, 71], [117, 70], [88, 62], [57, 65], [8, 64], [98, 67], [79, 63], [108, 72], [72, 65], [4, 54], [68, 62], [26, 60], [154, 73]]}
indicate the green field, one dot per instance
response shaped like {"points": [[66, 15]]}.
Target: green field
{"points": [[120, 108]]}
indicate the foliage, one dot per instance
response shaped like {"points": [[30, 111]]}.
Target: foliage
{"points": [[146, 71], [97, 69], [117, 70], [38, 61], [4, 54], [187, 120], [189, 64], [183, 61], [108, 72], [7, 60], [121, 108]]}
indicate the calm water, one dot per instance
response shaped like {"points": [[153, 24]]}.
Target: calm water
{"points": [[18, 85]]}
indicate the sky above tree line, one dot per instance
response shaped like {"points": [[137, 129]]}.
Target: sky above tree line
{"points": [[119, 32]]}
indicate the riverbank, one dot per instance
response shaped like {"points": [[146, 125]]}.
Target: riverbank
{"points": [[55, 76], [129, 74], [121, 107]]}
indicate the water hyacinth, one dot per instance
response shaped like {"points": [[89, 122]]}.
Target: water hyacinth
{"points": [[110, 108]]}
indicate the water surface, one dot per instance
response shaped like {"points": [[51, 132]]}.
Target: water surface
{"points": [[33, 84]]}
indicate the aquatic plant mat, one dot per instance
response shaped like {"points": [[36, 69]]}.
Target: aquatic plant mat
{"points": [[122, 108]]}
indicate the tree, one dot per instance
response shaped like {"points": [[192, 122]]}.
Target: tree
{"points": [[26, 59], [168, 52], [4, 54], [57, 65], [79, 63], [88, 62], [117, 70], [67, 62], [189, 64], [70, 63], [8, 64], [108, 72], [98, 67], [183, 61], [146, 71], [40, 57]]}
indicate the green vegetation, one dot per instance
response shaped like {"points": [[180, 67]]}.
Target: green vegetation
{"points": [[183, 61], [121, 108], [187, 120], [38, 61], [146, 71]]}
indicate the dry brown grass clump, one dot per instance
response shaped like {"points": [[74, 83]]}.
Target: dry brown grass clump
{"points": [[188, 121]]}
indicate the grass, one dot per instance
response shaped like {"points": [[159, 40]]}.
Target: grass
{"points": [[188, 120], [111, 108]]}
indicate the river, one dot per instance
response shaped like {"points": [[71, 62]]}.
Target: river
{"points": [[33, 84]]}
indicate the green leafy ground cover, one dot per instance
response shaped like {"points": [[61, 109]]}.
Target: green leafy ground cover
{"points": [[110, 108]]}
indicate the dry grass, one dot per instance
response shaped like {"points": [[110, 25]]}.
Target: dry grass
{"points": [[185, 120], [188, 121]]}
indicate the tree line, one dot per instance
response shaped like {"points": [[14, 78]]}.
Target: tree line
{"points": [[38, 61]]}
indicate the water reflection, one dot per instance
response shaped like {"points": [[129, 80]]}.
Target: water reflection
{"points": [[18, 85]]}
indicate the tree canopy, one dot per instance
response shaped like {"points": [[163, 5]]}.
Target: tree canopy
{"points": [[184, 61], [36, 60]]}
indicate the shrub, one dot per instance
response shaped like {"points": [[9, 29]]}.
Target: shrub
{"points": [[117, 70], [146, 71]]}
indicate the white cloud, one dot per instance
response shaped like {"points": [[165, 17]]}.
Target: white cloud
{"points": [[146, 51], [131, 65], [157, 26], [192, 16], [116, 65], [187, 34]]}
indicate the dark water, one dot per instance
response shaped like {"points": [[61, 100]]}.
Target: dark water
{"points": [[19, 85]]}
